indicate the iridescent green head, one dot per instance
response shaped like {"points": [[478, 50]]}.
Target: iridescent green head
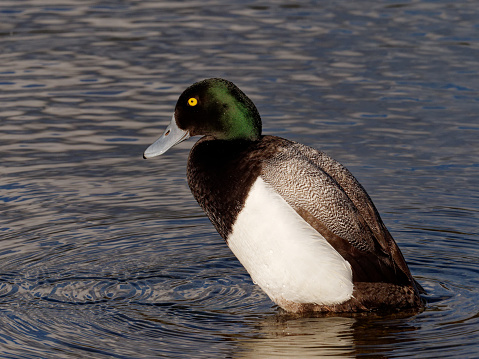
{"points": [[218, 108], [213, 107]]}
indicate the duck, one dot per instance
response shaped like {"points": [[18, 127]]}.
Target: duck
{"points": [[297, 220]]}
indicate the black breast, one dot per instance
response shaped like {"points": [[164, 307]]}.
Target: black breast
{"points": [[221, 173]]}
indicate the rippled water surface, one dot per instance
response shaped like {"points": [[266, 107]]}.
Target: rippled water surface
{"points": [[104, 254]]}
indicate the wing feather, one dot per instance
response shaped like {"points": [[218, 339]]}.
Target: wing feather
{"points": [[331, 200]]}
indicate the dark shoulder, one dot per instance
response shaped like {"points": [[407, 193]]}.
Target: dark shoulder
{"points": [[212, 157]]}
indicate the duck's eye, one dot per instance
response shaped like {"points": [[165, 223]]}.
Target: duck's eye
{"points": [[192, 101]]}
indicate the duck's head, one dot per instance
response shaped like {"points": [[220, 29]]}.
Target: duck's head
{"points": [[213, 107]]}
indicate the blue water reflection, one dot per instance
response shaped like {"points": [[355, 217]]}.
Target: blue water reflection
{"points": [[105, 254]]}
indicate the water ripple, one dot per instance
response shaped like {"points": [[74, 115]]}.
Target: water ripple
{"points": [[108, 255]]}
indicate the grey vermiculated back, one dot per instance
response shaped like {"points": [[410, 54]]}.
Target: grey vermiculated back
{"points": [[330, 199], [298, 173]]}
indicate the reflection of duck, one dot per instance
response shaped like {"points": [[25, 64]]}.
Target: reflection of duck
{"points": [[298, 221], [329, 336]]}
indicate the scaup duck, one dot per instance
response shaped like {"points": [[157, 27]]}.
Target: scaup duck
{"points": [[297, 220]]}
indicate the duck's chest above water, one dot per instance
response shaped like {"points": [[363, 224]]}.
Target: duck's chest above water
{"points": [[220, 177]]}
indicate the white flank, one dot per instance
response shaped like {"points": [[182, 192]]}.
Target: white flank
{"points": [[284, 255]]}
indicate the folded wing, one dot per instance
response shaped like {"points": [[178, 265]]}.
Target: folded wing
{"points": [[332, 201]]}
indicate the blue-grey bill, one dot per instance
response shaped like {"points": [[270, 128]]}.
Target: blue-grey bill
{"points": [[172, 136]]}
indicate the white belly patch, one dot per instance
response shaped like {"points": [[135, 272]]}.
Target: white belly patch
{"points": [[284, 255]]}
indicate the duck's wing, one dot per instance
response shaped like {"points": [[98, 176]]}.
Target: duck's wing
{"points": [[331, 200]]}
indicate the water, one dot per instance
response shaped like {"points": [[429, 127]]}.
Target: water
{"points": [[104, 254]]}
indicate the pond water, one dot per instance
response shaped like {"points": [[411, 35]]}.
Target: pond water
{"points": [[104, 254]]}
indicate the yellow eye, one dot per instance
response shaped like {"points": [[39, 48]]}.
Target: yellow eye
{"points": [[192, 101]]}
